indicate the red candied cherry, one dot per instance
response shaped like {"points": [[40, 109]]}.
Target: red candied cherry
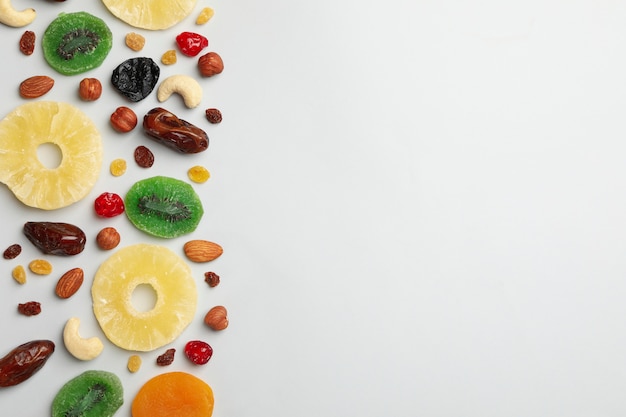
{"points": [[191, 43], [109, 205], [198, 352]]}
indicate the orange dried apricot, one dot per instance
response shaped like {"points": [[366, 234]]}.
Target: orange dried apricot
{"points": [[173, 394]]}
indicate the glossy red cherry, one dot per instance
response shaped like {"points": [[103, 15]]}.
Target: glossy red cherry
{"points": [[191, 43], [198, 352], [109, 205]]}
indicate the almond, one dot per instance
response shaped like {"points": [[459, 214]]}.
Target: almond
{"points": [[69, 283], [36, 86], [202, 250]]}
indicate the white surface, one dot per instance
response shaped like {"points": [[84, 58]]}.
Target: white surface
{"points": [[421, 205]]}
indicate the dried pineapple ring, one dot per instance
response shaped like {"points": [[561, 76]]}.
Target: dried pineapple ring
{"points": [[33, 124], [113, 287]]}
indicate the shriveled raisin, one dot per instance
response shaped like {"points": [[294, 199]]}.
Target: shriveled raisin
{"points": [[12, 251], [167, 358], [214, 116], [31, 308], [212, 279], [169, 57], [27, 42], [144, 157]]}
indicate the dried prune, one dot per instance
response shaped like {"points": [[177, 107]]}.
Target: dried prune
{"points": [[135, 78], [23, 361], [175, 133], [56, 238]]}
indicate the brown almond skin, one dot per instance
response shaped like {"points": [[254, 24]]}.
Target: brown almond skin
{"points": [[69, 283], [36, 86], [202, 250], [24, 361]]}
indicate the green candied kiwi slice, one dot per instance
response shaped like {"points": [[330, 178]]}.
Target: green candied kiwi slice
{"points": [[90, 394], [76, 42], [163, 207]]}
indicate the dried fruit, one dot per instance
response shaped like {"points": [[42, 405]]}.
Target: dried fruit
{"points": [[76, 42], [24, 361], [217, 318], [30, 308], [212, 279], [135, 78], [109, 205], [40, 267], [191, 43], [150, 14], [143, 156], [56, 238], [163, 206], [198, 174], [204, 16], [202, 250], [118, 167], [210, 64], [90, 89], [214, 116], [198, 352], [27, 42], [69, 283], [108, 238], [12, 251], [123, 119], [134, 363], [169, 57], [19, 274], [90, 394], [180, 135], [135, 41], [36, 86], [166, 358]]}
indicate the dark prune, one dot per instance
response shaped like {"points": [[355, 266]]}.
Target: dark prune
{"points": [[56, 238], [135, 78], [24, 361], [175, 133]]}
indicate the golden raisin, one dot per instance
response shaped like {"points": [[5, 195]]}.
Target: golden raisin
{"points": [[205, 15], [19, 274], [134, 363], [169, 57], [40, 267], [198, 174], [135, 41], [118, 167]]}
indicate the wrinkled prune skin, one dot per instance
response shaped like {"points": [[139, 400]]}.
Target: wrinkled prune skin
{"points": [[180, 135], [24, 361], [52, 238], [135, 78]]}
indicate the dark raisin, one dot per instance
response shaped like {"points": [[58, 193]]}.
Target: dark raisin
{"points": [[167, 358], [27, 42], [144, 157], [135, 78], [31, 308], [12, 251], [213, 115], [212, 279]]}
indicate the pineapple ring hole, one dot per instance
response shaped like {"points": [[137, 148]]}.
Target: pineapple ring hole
{"points": [[50, 155], [144, 298]]}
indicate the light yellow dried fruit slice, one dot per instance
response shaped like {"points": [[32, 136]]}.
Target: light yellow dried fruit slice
{"points": [[150, 14], [112, 291], [33, 124]]}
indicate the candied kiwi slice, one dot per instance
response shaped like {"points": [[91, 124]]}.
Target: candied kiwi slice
{"points": [[90, 394], [163, 207], [76, 42]]}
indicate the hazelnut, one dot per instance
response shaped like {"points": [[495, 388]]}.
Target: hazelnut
{"points": [[210, 64], [123, 119], [90, 89], [216, 318], [108, 238]]}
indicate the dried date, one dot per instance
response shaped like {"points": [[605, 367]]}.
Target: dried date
{"points": [[180, 135], [53, 238], [24, 361], [31, 308]]}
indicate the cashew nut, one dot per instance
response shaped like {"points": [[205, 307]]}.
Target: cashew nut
{"points": [[15, 18], [83, 349], [187, 87]]}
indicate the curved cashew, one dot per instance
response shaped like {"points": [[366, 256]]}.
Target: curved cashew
{"points": [[83, 349], [15, 18], [187, 87]]}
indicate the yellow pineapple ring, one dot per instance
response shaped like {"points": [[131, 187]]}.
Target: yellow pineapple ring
{"points": [[150, 14], [113, 287], [33, 124]]}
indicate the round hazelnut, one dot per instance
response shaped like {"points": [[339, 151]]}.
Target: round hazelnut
{"points": [[216, 318], [210, 64], [123, 119], [108, 238], [90, 89]]}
